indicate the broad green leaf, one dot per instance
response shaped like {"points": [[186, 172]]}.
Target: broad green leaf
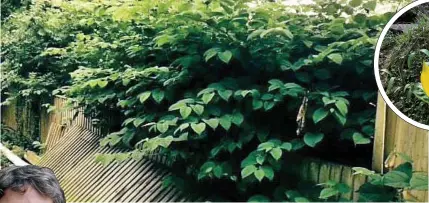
{"points": [[256, 33], [311, 139], [268, 105], [265, 146], [177, 105], [257, 104], [248, 170], [225, 56], [120, 157], [225, 94], [396, 179], [207, 97], [277, 31], [276, 153], [342, 107], [286, 146], [102, 83], [337, 58], [138, 121], [328, 192], [275, 84], [104, 159], [237, 118], [144, 96], [425, 51], [260, 158], [198, 109], [406, 168], [158, 95], [225, 121], [217, 171], [259, 174], [128, 121], [249, 160], [419, 181], [198, 128], [210, 53], [185, 111], [207, 167], [307, 43], [327, 101], [162, 127], [127, 137], [267, 97], [269, 172], [93, 83], [363, 171], [320, 114], [358, 138], [204, 91], [340, 118], [125, 82], [213, 122]]}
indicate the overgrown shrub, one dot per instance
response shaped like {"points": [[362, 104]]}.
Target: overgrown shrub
{"points": [[224, 89]]}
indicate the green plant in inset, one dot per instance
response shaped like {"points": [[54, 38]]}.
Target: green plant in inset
{"points": [[421, 91], [402, 57]]}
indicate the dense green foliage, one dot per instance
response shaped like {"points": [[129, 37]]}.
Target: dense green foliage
{"points": [[224, 89], [10, 6]]}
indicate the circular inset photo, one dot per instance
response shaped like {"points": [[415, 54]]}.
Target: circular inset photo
{"points": [[402, 63]]}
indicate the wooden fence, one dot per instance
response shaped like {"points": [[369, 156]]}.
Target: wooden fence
{"points": [[8, 115], [392, 135], [27, 121]]}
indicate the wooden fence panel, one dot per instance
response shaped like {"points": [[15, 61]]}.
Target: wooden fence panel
{"points": [[8, 115], [85, 180], [396, 135], [318, 171]]}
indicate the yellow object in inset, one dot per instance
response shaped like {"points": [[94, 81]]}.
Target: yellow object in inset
{"points": [[424, 78]]}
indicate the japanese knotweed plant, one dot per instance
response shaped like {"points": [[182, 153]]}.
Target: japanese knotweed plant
{"points": [[224, 89]]}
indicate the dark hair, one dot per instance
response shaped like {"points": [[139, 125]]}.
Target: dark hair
{"points": [[42, 179]]}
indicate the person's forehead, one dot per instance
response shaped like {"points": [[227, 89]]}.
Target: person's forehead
{"points": [[30, 195]]}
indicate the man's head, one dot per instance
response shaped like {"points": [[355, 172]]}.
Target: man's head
{"points": [[29, 184]]}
